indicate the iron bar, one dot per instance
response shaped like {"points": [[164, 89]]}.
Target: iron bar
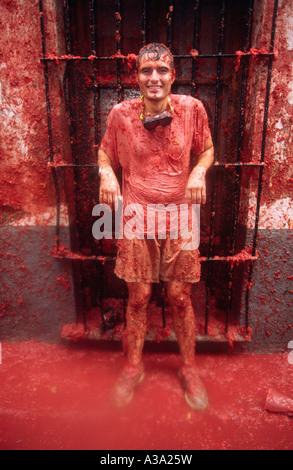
{"points": [[92, 27], [118, 51], [76, 269], [49, 124], [56, 59], [67, 27], [143, 23], [194, 45], [203, 81], [169, 45], [80, 257], [264, 133], [238, 168], [216, 165], [119, 98], [215, 140], [64, 81], [76, 165], [103, 258], [169, 23], [68, 113], [219, 71], [238, 164], [94, 69], [241, 124], [224, 56], [96, 127]]}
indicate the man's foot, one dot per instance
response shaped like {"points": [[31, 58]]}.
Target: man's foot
{"points": [[123, 390], [195, 392]]}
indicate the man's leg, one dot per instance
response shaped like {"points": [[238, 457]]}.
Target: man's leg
{"points": [[139, 294], [178, 294], [136, 322]]}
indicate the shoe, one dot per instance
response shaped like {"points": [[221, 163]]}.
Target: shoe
{"points": [[195, 392], [128, 380]]}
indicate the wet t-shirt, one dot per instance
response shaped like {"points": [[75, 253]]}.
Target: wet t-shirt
{"points": [[155, 164]]}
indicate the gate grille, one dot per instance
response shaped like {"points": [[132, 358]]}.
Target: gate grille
{"points": [[207, 74]]}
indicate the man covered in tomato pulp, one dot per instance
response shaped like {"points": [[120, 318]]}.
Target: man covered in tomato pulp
{"points": [[163, 144]]}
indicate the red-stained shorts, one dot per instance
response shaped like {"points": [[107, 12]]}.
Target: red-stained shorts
{"points": [[152, 260]]}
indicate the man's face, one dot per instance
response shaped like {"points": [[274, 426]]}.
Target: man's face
{"points": [[155, 78]]}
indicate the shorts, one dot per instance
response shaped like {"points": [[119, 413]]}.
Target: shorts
{"points": [[155, 260]]}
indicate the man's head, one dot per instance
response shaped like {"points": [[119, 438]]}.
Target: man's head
{"points": [[155, 51], [155, 71]]}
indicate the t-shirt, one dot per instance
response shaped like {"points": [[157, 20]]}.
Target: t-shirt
{"points": [[155, 164]]}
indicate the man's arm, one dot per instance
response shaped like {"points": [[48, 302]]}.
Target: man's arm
{"points": [[109, 186], [196, 185]]}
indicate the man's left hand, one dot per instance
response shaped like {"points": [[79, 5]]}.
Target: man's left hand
{"points": [[196, 186]]}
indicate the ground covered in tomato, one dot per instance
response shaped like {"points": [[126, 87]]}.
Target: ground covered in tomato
{"points": [[56, 397]]}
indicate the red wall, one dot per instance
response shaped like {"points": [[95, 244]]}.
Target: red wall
{"points": [[276, 203], [25, 180]]}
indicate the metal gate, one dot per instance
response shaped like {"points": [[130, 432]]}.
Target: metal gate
{"points": [[96, 68]]}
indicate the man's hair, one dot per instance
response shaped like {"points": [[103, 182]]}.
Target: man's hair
{"points": [[155, 51]]}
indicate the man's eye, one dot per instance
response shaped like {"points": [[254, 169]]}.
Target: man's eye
{"points": [[148, 71]]}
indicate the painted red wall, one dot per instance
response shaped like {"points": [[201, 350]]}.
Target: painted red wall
{"points": [[36, 294], [276, 203], [26, 188]]}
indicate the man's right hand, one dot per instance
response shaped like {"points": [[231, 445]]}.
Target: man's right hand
{"points": [[109, 187]]}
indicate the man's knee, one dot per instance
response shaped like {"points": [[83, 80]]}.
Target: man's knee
{"points": [[139, 295], [178, 295]]}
